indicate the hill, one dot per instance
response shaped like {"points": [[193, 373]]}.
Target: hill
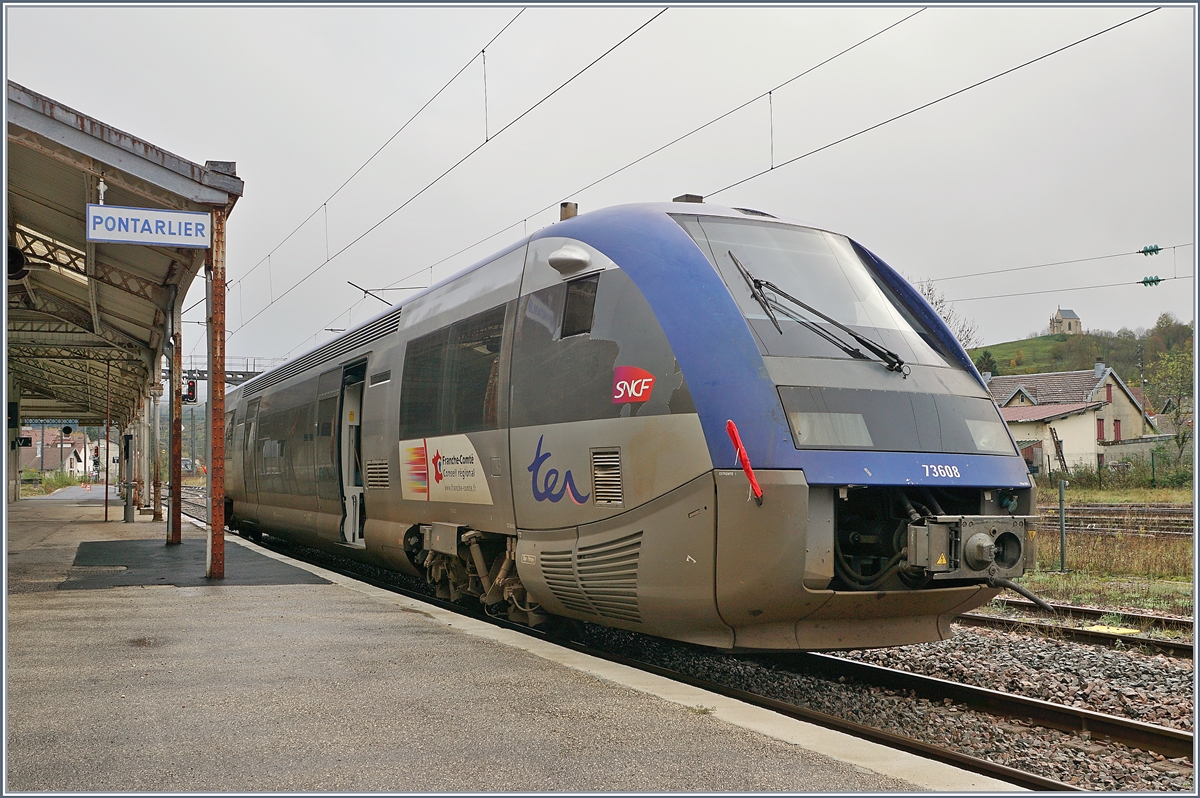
{"points": [[1047, 353]]}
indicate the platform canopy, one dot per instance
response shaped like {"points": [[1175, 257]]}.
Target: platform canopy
{"points": [[78, 310]]}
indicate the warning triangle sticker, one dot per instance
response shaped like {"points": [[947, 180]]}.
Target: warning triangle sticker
{"points": [[942, 559]]}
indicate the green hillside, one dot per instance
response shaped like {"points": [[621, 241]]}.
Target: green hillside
{"points": [[1077, 352]]}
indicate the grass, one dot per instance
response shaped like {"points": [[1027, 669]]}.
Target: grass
{"points": [[51, 481], [1119, 555], [1118, 571], [1118, 496], [1036, 352], [1118, 592]]}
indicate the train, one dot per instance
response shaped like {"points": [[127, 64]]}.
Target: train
{"points": [[702, 423]]}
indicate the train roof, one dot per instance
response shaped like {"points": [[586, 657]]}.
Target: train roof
{"points": [[381, 321]]}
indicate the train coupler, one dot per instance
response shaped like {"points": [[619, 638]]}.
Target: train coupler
{"points": [[971, 547]]}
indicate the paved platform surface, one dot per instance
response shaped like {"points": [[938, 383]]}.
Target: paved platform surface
{"points": [[128, 671]]}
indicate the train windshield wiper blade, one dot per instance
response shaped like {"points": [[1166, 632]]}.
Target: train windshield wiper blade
{"points": [[756, 291], [852, 351], [890, 358]]}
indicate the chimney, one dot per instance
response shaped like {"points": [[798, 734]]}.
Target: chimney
{"points": [[1099, 368]]}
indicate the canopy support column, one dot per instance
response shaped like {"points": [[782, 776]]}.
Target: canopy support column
{"points": [[216, 399], [175, 516]]}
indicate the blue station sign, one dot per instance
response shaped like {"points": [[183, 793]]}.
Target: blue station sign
{"points": [[114, 224]]}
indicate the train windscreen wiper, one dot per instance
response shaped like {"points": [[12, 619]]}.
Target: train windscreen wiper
{"points": [[889, 358], [756, 291]]}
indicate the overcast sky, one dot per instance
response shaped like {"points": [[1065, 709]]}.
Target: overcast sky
{"points": [[1089, 152]]}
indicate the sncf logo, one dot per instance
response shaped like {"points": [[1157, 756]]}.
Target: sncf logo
{"points": [[549, 490], [631, 384]]}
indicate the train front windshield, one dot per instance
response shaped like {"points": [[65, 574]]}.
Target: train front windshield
{"points": [[822, 270]]}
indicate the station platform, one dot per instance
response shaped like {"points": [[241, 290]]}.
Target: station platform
{"points": [[129, 671]]}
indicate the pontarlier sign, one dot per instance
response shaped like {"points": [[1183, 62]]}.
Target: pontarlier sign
{"points": [[114, 224]]}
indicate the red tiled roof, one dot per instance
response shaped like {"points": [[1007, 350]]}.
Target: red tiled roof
{"points": [[1045, 412]]}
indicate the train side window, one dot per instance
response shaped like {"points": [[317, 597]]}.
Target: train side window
{"points": [[325, 452], [580, 306], [473, 372], [421, 385]]}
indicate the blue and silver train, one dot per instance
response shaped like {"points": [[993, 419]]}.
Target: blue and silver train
{"points": [[697, 422]]}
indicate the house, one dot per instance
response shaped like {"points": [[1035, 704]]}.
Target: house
{"points": [[1065, 321], [51, 451], [1093, 415]]}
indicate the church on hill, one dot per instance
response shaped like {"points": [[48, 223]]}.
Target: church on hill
{"points": [[1065, 321]]}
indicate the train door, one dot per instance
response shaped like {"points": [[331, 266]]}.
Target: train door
{"points": [[250, 459], [353, 516]]}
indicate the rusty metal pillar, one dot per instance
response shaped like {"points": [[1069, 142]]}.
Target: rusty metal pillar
{"points": [[216, 401], [155, 444], [107, 432], [175, 516]]}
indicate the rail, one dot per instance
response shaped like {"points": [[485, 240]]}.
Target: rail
{"points": [[1133, 733]]}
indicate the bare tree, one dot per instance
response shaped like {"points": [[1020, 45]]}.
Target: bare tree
{"points": [[964, 329]]}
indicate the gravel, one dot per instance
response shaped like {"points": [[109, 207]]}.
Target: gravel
{"points": [[1072, 758], [1152, 689]]}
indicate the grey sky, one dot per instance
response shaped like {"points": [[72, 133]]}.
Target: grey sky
{"points": [[1087, 153]]}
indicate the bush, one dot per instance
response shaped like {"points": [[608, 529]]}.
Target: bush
{"points": [[53, 480], [1137, 474]]}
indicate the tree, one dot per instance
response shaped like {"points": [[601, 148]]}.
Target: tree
{"points": [[986, 363], [1170, 381], [964, 329]]}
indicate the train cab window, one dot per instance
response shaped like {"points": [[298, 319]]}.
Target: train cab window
{"points": [[580, 306]]}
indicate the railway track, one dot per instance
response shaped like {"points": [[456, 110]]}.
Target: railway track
{"points": [[1147, 737], [1170, 647], [1135, 734], [1108, 519]]}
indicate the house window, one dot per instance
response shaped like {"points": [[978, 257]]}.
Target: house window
{"points": [[1099, 429], [1116, 429], [1108, 393]]}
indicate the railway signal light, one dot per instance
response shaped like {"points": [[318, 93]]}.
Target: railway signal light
{"points": [[189, 393], [1153, 249], [1149, 281]]}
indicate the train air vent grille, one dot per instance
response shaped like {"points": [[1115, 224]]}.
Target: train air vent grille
{"points": [[608, 575], [599, 579], [377, 475], [560, 578], [606, 478]]}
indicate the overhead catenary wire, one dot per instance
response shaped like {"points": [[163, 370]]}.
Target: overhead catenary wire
{"points": [[929, 104], [676, 140], [792, 160], [375, 154], [659, 149], [1045, 265], [1061, 290], [437, 179]]}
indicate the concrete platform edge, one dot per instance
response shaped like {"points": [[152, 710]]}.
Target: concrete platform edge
{"points": [[880, 759]]}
